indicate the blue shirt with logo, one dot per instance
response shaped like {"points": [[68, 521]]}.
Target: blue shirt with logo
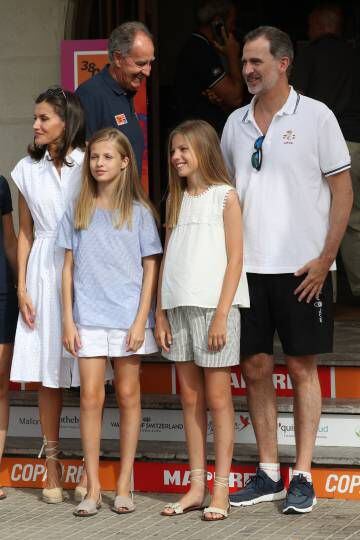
{"points": [[106, 104]]}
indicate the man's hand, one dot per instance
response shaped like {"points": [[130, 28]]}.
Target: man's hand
{"points": [[316, 271], [231, 47], [212, 97]]}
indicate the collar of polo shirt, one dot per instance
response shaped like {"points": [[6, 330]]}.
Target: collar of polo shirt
{"points": [[290, 106]]}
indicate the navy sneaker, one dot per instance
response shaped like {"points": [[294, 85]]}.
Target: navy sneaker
{"points": [[259, 488], [300, 497]]}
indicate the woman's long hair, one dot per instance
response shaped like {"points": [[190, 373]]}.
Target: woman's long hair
{"points": [[205, 144], [126, 190], [68, 107]]}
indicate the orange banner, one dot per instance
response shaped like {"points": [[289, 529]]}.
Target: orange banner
{"points": [[165, 477], [337, 483], [347, 382]]}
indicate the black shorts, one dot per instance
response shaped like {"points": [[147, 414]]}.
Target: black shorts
{"points": [[303, 329], [8, 316]]}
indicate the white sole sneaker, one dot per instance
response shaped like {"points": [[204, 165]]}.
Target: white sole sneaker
{"points": [[295, 510], [263, 498]]}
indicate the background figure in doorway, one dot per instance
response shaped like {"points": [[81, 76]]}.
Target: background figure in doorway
{"points": [[327, 69], [210, 64]]}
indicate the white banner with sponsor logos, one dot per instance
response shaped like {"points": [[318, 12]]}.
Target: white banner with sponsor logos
{"points": [[167, 425]]}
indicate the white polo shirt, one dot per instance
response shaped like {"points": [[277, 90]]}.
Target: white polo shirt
{"points": [[286, 205]]}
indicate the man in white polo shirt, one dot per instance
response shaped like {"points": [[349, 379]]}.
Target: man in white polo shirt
{"points": [[291, 166]]}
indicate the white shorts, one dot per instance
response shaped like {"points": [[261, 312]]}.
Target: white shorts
{"points": [[111, 342]]}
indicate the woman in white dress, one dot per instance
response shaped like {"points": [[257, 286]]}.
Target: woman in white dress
{"points": [[48, 179]]}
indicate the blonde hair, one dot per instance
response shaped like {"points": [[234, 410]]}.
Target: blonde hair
{"points": [[204, 143], [127, 188]]}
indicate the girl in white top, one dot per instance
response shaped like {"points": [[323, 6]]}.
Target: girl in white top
{"points": [[48, 180], [200, 290]]}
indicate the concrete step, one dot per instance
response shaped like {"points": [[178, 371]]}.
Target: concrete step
{"points": [[176, 451], [172, 402]]}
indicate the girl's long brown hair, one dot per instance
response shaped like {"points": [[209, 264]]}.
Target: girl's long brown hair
{"points": [[204, 142], [126, 190]]}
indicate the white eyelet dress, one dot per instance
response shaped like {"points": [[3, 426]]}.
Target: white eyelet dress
{"points": [[38, 353]]}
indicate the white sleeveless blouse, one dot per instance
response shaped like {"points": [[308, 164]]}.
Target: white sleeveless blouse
{"points": [[196, 258]]}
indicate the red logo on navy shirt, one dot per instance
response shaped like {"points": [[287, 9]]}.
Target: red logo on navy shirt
{"points": [[121, 119]]}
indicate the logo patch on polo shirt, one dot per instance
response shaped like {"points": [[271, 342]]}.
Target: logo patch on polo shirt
{"points": [[120, 119], [289, 137]]}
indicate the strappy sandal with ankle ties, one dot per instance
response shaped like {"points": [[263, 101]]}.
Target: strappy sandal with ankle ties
{"points": [[198, 475], [222, 481], [52, 495]]}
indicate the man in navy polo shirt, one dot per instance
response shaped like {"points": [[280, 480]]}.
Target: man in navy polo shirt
{"points": [[108, 96]]}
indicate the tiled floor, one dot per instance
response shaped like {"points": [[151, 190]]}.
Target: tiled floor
{"points": [[25, 517]]}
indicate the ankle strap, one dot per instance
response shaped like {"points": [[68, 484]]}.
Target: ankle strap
{"points": [[198, 475], [221, 481], [51, 449]]}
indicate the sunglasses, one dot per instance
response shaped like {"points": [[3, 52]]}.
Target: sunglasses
{"points": [[56, 91], [256, 157]]}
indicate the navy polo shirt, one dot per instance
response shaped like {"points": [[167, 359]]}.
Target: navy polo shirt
{"points": [[106, 104]]}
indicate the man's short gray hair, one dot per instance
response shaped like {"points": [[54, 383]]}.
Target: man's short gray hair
{"points": [[122, 38], [208, 9], [280, 42]]}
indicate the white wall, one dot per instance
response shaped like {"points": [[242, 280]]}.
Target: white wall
{"points": [[31, 31]]}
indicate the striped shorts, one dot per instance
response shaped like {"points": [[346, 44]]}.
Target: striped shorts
{"points": [[190, 328]]}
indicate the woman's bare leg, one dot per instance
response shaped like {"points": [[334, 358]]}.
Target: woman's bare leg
{"points": [[6, 350], [50, 406]]}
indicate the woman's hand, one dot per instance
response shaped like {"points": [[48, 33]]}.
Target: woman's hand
{"points": [[136, 336], [26, 309], [162, 331], [217, 333], [71, 338]]}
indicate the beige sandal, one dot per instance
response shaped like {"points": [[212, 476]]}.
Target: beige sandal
{"points": [[123, 505], [88, 507], [198, 475], [223, 513], [52, 495], [3, 494]]}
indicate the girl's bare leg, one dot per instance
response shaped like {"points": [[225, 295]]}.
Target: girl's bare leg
{"points": [[127, 388], [192, 393], [219, 400], [92, 395]]}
